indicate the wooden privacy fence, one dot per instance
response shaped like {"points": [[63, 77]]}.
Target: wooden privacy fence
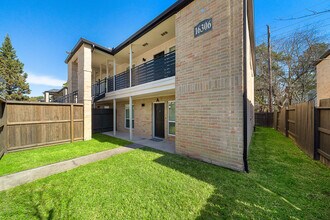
{"points": [[37, 124], [2, 126], [308, 126], [264, 119]]}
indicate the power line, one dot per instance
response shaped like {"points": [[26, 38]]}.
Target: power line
{"points": [[304, 20], [284, 34], [289, 32], [314, 13], [316, 6]]}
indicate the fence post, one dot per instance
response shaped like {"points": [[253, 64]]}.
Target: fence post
{"points": [[286, 122], [316, 133], [72, 123]]}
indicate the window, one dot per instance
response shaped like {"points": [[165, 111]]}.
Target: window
{"points": [[159, 55], [172, 49], [127, 116], [171, 118]]}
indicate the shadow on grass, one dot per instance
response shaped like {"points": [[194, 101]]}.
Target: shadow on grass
{"points": [[56, 207], [231, 197], [103, 138]]}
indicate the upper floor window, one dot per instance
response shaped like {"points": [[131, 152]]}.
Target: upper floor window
{"points": [[158, 55]]}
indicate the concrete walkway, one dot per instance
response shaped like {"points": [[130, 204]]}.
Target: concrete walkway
{"points": [[163, 145], [16, 179]]}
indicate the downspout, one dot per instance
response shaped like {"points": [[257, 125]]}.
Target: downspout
{"points": [[245, 144]]}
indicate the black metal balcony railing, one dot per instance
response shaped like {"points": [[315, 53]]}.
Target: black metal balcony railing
{"points": [[122, 80], [155, 69], [99, 88], [150, 71], [69, 98]]}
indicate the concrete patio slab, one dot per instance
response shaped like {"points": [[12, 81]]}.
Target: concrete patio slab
{"points": [[163, 145], [16, 179]]}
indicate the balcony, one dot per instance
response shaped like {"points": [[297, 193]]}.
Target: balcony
{"points": [[69, 98], [153, 70]]}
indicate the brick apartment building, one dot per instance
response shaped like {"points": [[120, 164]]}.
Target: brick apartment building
{"points": [[187, 77], [323, 77]]}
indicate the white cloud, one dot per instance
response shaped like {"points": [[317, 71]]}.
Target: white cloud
{"points": [[44, 80]]}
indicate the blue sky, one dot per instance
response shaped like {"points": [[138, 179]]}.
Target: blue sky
{"points": [[42, 31]]}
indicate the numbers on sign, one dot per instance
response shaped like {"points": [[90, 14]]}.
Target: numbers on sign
{"points": [[203, 27]]}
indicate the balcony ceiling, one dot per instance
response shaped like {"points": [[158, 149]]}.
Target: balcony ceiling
{"points": [[99, 58], [153, 38]]}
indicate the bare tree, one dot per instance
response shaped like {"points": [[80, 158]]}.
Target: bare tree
{"points": [[294, 76], [300, 50]]}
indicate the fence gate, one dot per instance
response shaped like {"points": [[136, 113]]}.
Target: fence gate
{"points": [[102, 120]]}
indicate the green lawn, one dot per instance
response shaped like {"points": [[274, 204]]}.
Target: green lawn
{"points": [[23, 160], [149, 184]]}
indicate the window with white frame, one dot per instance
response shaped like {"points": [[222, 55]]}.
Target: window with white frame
{"points": [[127, 116], [171, 117]]}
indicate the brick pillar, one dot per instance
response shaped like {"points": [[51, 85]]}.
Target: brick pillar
{"points": [[84, 87]]}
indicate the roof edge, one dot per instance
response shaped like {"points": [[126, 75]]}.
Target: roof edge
{"points": [[85, 41], [325, 55], [173, 9]]}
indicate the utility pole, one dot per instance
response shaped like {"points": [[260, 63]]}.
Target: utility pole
{"points": [[270, 88]]}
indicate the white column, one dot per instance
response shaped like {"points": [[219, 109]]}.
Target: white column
{"points": [[130, 65], [107, 67], [107, 70], [130, 118], [114, 117], [100, 71], [114, 73]]}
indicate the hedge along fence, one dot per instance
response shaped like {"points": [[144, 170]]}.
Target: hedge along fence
{"points": [[39, 124], [308, 126]]}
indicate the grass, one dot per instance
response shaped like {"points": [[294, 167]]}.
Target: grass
{"points": [[23, 160], [148, 184]]}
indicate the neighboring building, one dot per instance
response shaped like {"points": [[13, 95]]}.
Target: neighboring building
{"points": [[187, 76], [323, 77], [55, 95]]}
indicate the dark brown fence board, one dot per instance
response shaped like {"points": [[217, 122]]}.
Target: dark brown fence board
{"points": [[41, 124], [281, 121], [308, 126], [324, 129], [3, 128], [305, 127], [264, 119]]}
